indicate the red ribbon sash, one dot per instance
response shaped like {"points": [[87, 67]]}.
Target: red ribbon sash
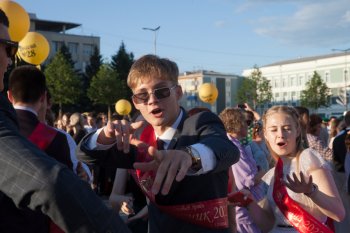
{"points": [[297, 216], [209, 214], [42, 137]]}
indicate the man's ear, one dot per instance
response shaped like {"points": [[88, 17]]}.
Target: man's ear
{"points": [[43, 97], [9, 96], [179, 92]]}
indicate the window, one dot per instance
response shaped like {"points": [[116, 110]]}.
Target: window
{"points": [[73, 48], [57, 45], [346, 78], [327, 77], [88, 49], [292, 81]]}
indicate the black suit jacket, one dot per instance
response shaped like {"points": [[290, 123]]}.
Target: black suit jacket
{"points": [[205, 128], [25, 220], [339, 151], [34, 180], [58, 148]]}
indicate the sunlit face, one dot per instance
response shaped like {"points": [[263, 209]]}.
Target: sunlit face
{"points": [[160, 113], [281, 133], [90, 121], [65, 120], [5, 61]]}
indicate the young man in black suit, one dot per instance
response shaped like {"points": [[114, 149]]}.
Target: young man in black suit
{"points": [[186, 180], [33, 180], [27, 93]]}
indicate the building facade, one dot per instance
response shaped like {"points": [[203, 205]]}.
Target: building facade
{"points": [[227, 85], [80, 47], [288, 80]]}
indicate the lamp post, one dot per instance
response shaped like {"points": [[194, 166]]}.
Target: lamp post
{"points": [[345, 100], [155, 30]]}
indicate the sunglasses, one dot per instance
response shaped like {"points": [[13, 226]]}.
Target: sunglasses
{"points": [[159, 93], [11, 47]]}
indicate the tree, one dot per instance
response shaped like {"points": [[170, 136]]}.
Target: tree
{"points": [[91, 70], [63, 83], [121, 63], [106, 88], [255, 89], [65, 51], [94, 65], [316, 93]]}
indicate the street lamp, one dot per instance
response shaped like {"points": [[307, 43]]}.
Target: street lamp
{"points": [[345, 98], [155, 30]]}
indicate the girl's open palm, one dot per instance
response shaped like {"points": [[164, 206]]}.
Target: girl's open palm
{"points": [[299, 186]]}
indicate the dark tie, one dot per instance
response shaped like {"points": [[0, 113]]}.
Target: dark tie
{"points": [[160, 144]]}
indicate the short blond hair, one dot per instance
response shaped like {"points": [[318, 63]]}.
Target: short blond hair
{"points": [[151, 67]]}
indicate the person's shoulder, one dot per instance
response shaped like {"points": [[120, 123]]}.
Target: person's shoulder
{"points": [[205, 115], [340, 135], [267, 178], [310, 159]]}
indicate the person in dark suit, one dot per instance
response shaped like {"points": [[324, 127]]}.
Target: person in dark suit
{"points": [[33, 180], [339, 155], [27, 93], [186, 178], [339, 148]]}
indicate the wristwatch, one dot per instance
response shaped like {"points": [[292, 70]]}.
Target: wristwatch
{"points": [[195, 157]]}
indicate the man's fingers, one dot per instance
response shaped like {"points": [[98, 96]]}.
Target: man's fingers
{"points": [[160, 176], [170, 176], [157, 155], [136, 125], [125, 127], [147, 166], [185, 165]]}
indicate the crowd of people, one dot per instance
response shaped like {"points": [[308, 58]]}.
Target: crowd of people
{"points": [[168, 169]]}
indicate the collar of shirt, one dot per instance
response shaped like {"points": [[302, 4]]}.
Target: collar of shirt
{"points": [[169, 133], [26, 108]]}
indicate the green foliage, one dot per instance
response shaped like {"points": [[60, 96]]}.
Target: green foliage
{"points": [[94, 65], [247, 92], [65, 51], [316, 93], [121, 64], [62, 81], [255, 89], [105, 87]]}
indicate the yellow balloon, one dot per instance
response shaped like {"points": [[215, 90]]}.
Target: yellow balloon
{"points": [[18, 19], [123, 107], [208, 93], [34, 48]]}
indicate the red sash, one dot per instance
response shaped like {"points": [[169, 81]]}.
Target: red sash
{"points": [[209, 214], [42, 137], [297, 216]]}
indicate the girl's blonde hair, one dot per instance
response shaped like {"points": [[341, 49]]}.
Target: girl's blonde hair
{"points": [[290, 111]]}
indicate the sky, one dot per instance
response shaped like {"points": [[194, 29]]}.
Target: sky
{"points": [[225, 36]]}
